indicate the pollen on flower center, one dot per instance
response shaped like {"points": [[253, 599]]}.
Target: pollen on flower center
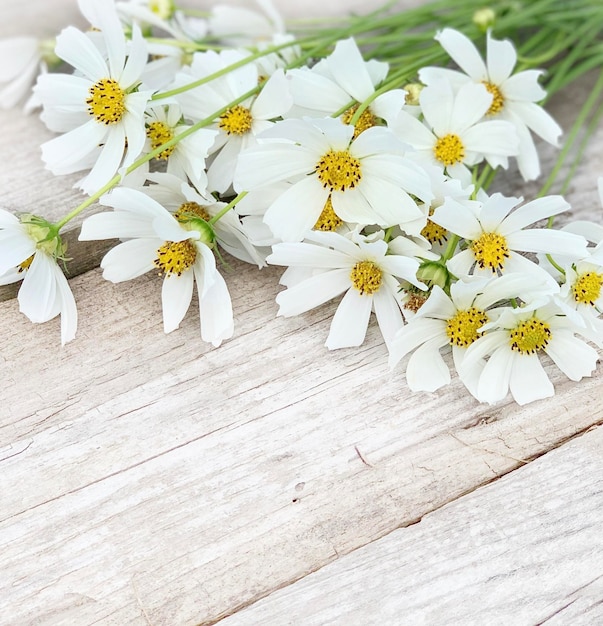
{"points": [[490, 250], [498, 102], [449, 149], [236, 121], [190, 210], [434, 233], [366, 277], [106, 101], [159, 133], [23, 267], [328, 219], [587, 288], [175, 257], [164, 9], [463, 329], [339, 170], [366, 120], [530, 336]]}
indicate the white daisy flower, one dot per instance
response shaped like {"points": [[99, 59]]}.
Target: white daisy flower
{"points": [[362, 269], [514, 342], [453, 135], [156, 239], [29, 252], [23, 58], [239, 125], [496, 230], [185, 201], [98, 109], [342, 78], [367, 180], [239, 26], [187, 157], [455, 321], [514, 96]]}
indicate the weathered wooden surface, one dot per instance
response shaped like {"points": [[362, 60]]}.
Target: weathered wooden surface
{"points": [[147, 478], [524, 550]]}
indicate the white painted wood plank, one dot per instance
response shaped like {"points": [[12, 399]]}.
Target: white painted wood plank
{"points": [[525, 549]]}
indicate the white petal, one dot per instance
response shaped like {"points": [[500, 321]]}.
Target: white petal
{"points": [[67, 153], [37, 295], [528, 381], [137, 60], [538, 121], [426, 369], [296, 211], [307, 255], [387, 311], [274, 100], [215, 309], [524, 86], [77, 49], [116, 224], [107, 163], [470, 105], [312, 292], [350, 322], [130, 259], [176, 294], [415, 333], [532, 212], [437, 102], [549, 241], [494, 381], [67, 306], [497, 137], [458, 218], [501, 57], [463, 53], [349, 69], [15, 247], [572, 356]]}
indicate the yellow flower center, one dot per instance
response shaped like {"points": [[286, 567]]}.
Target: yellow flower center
{"points": [[106, 101], [328, 220], [159, 133], [236, 121], [498, 102], [449, 149], [366, 277], [530, 336], [434, 233], [23, 267], [365, 120], [463, 329], [338, 171], [191, 209], [490, 250], [175, 257], [587, 288]]}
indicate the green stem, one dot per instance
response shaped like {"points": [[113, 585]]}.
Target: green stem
{"points": [[227, 208]]}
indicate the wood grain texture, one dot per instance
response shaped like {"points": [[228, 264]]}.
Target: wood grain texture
{"points": [[147, 478], [524, 550]]}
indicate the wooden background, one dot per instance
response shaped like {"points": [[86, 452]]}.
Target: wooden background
{"points": [[150, 479]]}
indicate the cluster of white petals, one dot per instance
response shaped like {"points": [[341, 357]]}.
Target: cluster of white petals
{"points": [[217, 136]]}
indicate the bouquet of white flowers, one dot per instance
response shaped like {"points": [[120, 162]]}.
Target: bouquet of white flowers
{"points": [[357, 155]]}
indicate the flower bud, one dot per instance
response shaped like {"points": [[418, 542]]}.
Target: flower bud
{"points": [[484, 18], [434, 273], [413, 90]]}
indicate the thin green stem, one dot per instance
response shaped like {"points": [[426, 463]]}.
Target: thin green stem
{"points": [[227, 208]]}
